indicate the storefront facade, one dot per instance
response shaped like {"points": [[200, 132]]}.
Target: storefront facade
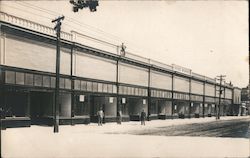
{"points": [[91, 79]]}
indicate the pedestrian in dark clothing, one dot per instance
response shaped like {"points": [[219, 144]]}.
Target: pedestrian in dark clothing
{"points": [[143, 117], [119, 117]]}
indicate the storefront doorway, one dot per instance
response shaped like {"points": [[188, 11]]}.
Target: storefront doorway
{"points": [[108, 105], [136, 105], [181, 109], [160, 108], [41, 108], [196, 109], [16, 104]]}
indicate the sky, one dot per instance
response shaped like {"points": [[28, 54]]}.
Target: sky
{"points": [[209, 37]]}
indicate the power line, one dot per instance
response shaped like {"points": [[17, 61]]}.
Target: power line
{"points": [[70, 26], [70, 19], [6, 5], [73, 20], [134, 48]]}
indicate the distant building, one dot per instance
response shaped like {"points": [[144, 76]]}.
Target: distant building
{"points": [[234, 110], [245, 94], [245, 101]]}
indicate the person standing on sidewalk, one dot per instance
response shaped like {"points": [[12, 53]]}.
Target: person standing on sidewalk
{"points": [[100, 116], [143, 117], [119, 117]]}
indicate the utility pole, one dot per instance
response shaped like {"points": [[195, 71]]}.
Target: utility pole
{"points": [[121, 53], [56, 103], [221, 78]]}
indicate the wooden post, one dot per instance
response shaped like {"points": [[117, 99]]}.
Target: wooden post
{"points": [[58, 43]]}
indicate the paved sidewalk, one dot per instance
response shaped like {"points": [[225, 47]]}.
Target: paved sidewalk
{"points": [[136, 125], [92, 141]]}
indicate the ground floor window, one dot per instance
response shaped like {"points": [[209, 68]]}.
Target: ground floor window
{"points": [[16, 104], [213, 109], [41, 104], [65, 104], [165, 107], [153, 109], [160, 107], [206, 109], [136, 105], [125, 109], [196, 108], [107, 103], [81, 105], [110, 106], [181, 107], [123, 105], [222, 109]]}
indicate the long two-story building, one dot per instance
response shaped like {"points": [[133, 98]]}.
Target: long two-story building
{"points": [[91, 78]]}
